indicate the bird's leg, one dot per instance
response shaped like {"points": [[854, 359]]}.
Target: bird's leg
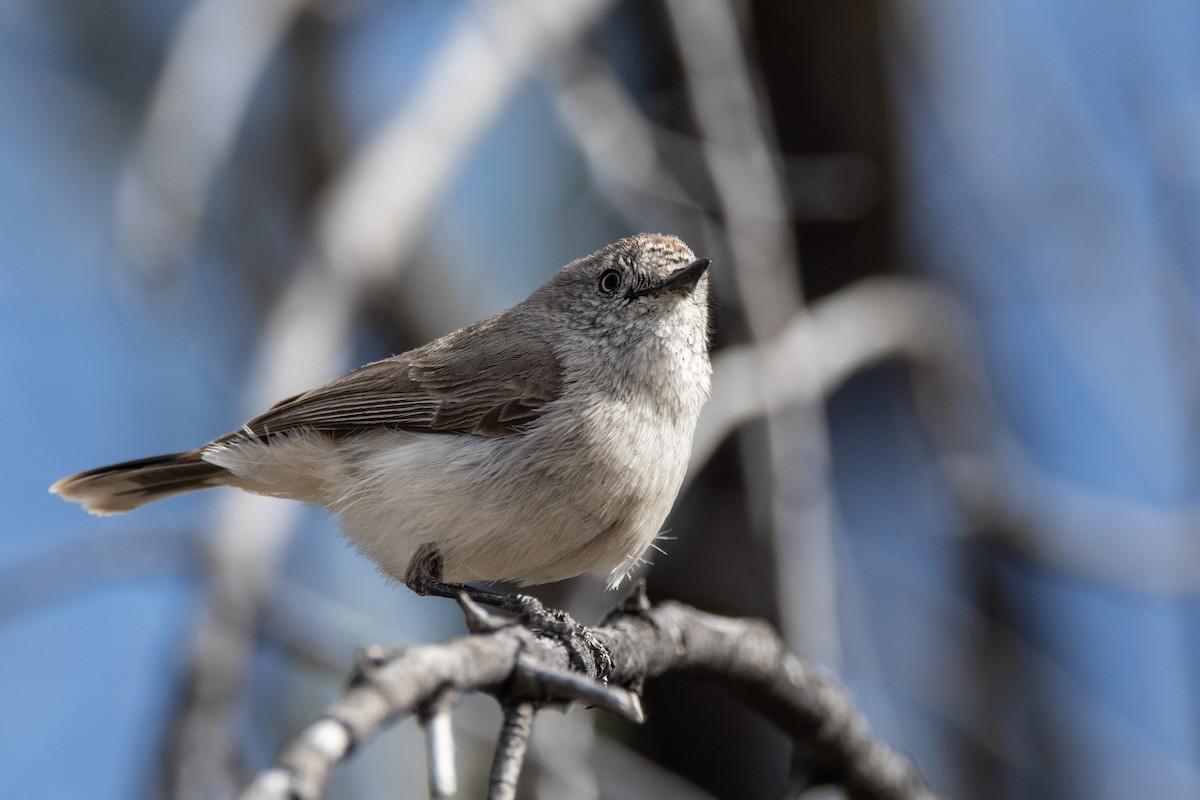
{"points": [[424, 576], [529, 609]]}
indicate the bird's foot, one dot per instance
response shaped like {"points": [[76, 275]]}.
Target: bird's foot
{"points": [[586, 652]]}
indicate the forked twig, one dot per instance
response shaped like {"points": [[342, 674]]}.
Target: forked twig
{"points": [[524, 670]]}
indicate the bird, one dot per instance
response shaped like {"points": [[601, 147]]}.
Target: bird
{"points": [[544, 442]]}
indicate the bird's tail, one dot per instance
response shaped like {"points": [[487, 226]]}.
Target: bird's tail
{"points": [[123, 487]]}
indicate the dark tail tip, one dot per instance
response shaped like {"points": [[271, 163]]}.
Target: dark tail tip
{"points": [[122, 487]]}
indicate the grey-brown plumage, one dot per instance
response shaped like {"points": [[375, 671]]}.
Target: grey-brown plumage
{"points": [[540, 443], [488, 379]]}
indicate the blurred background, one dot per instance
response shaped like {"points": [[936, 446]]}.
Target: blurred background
{"points": [[951, 450]]}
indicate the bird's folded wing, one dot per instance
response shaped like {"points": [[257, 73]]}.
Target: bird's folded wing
{"points": [[475, 381]]}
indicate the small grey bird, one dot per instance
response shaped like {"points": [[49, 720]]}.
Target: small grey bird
{"points": [[539, 444]]}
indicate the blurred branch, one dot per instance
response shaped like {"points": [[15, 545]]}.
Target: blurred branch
{"points": [[374, 211], [745, 168], [635, 160], [1014, 502], [191, 123], [525, 670], [439, 749], [1007, 498], [740, 158], [618, 142], [315, 628], [876, 319], [1070, 709], [70, 565]]}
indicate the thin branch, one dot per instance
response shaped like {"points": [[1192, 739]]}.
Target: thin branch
{"points": [[510, 750], [439, 748], [746, 656], [742, 158]]}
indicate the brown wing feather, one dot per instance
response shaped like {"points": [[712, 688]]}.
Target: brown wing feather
{"points": [[487, 380]]}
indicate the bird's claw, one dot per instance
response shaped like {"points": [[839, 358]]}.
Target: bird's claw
{"points": [[587, 654]]}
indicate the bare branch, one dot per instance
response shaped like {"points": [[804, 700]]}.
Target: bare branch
{"points": [[748, 657], [745, 656], [510, 750]]}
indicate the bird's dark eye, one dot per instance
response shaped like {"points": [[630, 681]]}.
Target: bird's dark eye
{"points": [[610, 281]]}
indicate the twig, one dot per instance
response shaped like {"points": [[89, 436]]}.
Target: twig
{"points": [[746, 656], [510, 750], [439, 748]]}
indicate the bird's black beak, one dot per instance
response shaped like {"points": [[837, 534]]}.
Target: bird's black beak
{"points": [[685, 279]]}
